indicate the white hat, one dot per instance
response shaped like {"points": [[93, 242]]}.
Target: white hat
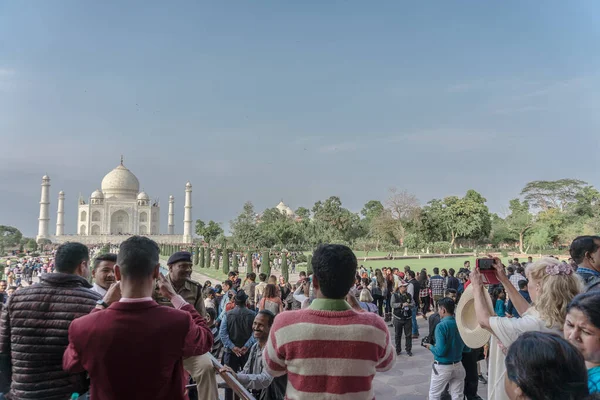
{"points": [[471, 333]]}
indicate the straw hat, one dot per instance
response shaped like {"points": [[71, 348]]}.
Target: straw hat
{"points": [[471, 333]]}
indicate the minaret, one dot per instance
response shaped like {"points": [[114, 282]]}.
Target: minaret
{"points": [[44, 218], [187, 214], [171, 220], [60, 214]]}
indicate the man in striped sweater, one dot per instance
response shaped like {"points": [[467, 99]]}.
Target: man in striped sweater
{"points": [[329, 350]]}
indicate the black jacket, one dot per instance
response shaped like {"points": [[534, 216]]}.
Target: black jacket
{"points": [[34, 335], [239, 325]]}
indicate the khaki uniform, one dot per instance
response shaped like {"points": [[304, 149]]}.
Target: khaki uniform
{"points": [[191, 291], [199, 367]]}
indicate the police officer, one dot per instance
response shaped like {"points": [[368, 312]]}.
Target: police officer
{"points": [[199, 367]]}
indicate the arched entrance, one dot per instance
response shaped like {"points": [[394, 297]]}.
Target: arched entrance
{"points": [[119, 223], [95, 230]]}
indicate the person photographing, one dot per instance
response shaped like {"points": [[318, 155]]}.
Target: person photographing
{"points": [[402, 303], [449, 347]]}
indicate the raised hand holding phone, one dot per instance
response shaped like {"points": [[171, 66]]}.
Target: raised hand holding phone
{"points": [[165, 288]]}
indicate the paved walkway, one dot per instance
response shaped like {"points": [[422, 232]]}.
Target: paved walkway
{"points": [[410, 376]]}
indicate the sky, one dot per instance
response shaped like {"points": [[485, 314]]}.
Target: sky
{"points": [[270, 100]]}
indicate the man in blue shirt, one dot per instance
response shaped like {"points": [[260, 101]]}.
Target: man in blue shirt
{"points": [[585, 252], [449, 347], [237, 335]]}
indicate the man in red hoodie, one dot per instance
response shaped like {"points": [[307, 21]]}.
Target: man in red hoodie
{"points": [[130, 346]]}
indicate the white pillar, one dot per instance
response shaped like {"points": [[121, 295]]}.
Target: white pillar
{"points": [[171, 220], [44, 218], [187, 214], [60, 215]]}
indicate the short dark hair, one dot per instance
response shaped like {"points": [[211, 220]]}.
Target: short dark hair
{"points": [[582, 245], [212, 313], [263, 277], [69, 256], [541, 364], [522, 284], [520, 270], [411, 273], [407, 268], [448, 304], [451, 271], [516, 259], [436, 270], [466, 262], [450, 291], [334, 267], [251, 275], [589, 304], [302, 273], [228, 282], [270, 316], [138, 257], [510, 269], [112, 257]]}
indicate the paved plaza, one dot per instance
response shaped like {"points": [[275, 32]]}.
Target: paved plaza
{"points": [[409, 378]]}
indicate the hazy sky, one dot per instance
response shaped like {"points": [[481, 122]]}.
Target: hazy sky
{"points": [[271, 100]]}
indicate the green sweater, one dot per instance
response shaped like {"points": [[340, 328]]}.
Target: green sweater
{"points": [[449, 346]]}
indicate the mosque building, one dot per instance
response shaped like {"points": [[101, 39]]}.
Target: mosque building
{"points": [[114, 212]]}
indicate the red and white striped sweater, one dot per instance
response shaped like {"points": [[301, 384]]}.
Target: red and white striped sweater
{"points": [[329, 355]]}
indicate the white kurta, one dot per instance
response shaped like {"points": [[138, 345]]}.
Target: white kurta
{"points": [[507, 331]]}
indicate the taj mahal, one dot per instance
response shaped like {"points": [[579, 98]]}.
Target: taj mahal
{"points": [[114, 212]]}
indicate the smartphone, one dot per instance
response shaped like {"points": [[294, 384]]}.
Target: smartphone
{"points": [[488, 272], [484, 264]]}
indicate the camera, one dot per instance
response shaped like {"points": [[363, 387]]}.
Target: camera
{"points": [[425, 341]]}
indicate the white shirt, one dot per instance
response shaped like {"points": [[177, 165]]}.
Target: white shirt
{"points": [[507, 331], [98, 289]]}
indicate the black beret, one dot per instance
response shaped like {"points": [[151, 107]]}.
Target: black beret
{"points": [[180, 256]]}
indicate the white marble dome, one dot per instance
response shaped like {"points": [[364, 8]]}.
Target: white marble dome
{"points": [[97, 194], [285, 209], [143, 196], [120, 183]]}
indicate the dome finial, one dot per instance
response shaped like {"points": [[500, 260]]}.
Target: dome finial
{"points": [[121, 159]]}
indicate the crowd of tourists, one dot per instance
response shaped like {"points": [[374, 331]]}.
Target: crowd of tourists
{"points": [[136, 333]]}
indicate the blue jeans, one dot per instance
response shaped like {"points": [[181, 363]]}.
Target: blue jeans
{"points": [[415, 327]]}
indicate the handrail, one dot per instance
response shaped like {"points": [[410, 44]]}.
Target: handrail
{"points": [[230, 380]]}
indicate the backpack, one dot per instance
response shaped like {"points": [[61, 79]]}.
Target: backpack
{"points": [[271, 306], [376, 290]]}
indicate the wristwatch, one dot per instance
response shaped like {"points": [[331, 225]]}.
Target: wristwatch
{"points": [[102, 303]]}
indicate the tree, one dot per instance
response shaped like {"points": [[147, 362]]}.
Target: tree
{"points": [[9, 237], [284, 267], [468, 217], [520, 220], [226, 253], [404, 206], [303, 213], [244, 227], [265, 266], [454, 217], [333, 223], [372, 209], [552, 194], [540, 238], [208, 231]]}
